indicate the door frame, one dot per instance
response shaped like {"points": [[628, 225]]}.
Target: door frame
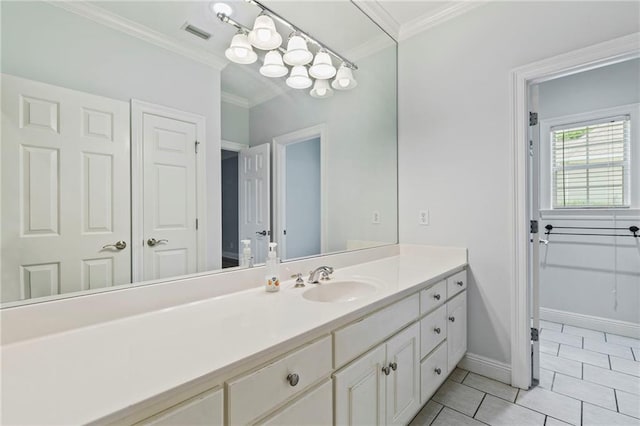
{"points": [[279, 190], [595, 56], [235, 147], [138, 109]]}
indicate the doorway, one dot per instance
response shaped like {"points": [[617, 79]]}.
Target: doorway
{"points": [[229, 180]]}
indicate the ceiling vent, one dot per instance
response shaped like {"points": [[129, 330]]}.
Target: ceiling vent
{"points": [[198, 32]]}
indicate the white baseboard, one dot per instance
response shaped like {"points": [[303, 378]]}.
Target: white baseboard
{"points": [[230, 255], [623, 328], [487, 367]]}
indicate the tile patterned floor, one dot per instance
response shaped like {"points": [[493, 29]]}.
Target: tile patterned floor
{"points": [[587, 377]]}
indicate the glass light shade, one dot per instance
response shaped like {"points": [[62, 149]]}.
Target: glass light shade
{"points": [[299, 79], [322, 67], [223, 8], [264, 35], [240, 50], [344, 79], [321, 89], [273, 66], [297, 52]]}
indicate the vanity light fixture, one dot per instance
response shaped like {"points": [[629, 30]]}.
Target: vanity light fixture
{"points": [[299, 79], [322, 68], [240, 50], [321, 89], [273, 66], [264, 36], [344, 79]]}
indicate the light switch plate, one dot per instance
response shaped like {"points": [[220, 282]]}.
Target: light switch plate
{"points": [[375, 217]]}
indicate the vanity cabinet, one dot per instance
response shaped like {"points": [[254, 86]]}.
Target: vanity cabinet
{"points": [[382, 387], [203, 410], [456, 329]]}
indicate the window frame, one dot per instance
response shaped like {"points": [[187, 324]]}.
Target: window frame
{"points": [[546, 160]]}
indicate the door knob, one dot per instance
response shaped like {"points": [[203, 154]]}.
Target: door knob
{"points": [[120, 245], [436, 296], [452, 319], [152, 242], [263, 233]]}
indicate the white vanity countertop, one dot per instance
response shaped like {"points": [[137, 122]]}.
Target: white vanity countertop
{"points": [[82, 375]]}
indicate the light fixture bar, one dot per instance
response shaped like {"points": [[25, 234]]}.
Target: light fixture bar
{"points": [[226, 19], [304, 34]]}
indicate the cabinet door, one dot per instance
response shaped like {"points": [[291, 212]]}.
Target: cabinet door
{"points": [[205, 409], [403, 381], [360, 391], [314, 408], [456, 329]]}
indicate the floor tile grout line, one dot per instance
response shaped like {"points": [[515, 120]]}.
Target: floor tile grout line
{"points": [[457, 411], [609, 359], [615, 395], [437, 414], [581, 412], [479, 405]]}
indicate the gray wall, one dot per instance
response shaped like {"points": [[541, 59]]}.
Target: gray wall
{"points": [[235, 123], [230, 239], [302, 188], [360, 148], [454, 145], [595, 276], [45, 43]]}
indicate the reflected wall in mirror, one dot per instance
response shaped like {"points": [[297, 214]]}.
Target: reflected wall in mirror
{"points": [[134, 151]]}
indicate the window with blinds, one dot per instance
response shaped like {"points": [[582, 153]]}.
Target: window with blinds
{"points": [[590, 164]]}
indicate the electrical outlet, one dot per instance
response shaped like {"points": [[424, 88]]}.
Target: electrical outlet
{"points": [[375, 217], [423, 217]]}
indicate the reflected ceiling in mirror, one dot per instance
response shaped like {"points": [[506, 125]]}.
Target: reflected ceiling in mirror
{"points": [[134, 151]]}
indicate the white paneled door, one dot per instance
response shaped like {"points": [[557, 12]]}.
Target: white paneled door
{"points": [[171, 143], [65, 190], [254, 205]]}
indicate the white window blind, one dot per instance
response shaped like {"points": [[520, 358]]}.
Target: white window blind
{"points": [[590, 164]]}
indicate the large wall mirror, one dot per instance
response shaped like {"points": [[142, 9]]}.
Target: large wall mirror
{"points": [[135, 151]]}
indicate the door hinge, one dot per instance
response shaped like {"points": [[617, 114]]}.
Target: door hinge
{"points": [[533, 118], [534, 334], [196, 224], [197, 143], [533, 226]]}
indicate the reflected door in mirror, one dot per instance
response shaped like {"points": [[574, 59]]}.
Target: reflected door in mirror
{"points": [[65, 190], [254, 200]]}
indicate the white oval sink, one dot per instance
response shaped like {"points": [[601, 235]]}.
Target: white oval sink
{"points": [[339, 291]]}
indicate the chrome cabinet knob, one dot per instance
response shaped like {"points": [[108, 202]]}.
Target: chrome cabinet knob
{"points": [[393, 365], [119, 245], [436, 330], [460, 283], [386, 370], [438, 371], [452, 319], [293, 379], [436, 296], [152, 242]]}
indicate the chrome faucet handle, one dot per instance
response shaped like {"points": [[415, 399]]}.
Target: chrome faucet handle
{"points": [[323, 271], [299, 280], [324, 276]]}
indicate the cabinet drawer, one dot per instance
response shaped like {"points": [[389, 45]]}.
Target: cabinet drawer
{"points": [[456, 283], [433, 297], [355, 339], [255, 394], [204, 409], [429, 378], [314, 408], [433, 330]]}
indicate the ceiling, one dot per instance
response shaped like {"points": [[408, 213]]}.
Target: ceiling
{"points": [[339, 24]]}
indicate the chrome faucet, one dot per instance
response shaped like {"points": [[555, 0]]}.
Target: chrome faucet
{"points": [[323, 272]]}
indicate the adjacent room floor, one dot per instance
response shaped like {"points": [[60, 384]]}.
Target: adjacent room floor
{"points": [[587, 378]]}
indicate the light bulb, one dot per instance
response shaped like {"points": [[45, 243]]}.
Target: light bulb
{"points": [[263, 34], [343, 82], [321, 91], [242, 53]]}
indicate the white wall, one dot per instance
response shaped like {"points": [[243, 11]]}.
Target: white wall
{"points": [[587, 275], [235, 123], [454, 145], [45, 43], [361, 148]]}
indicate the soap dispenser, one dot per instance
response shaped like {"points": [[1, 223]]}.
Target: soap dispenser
{"points": [[272, 280], [245, 258]]}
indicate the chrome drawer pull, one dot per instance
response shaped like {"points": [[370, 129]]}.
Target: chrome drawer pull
{"points": [[452, 319], [438, 371], [394, 366], [436, 296], [460, 283], [436, 330], [386, 370], [293, 379]]}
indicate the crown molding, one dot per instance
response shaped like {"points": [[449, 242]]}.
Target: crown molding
{"points": [[423, 23], [119, 23], [380, 16], [236, 100], [369, 47]]}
